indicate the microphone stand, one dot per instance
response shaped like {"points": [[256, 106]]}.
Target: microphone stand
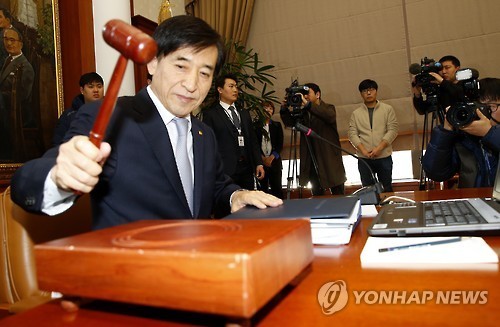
{"points": [[367, 194]]}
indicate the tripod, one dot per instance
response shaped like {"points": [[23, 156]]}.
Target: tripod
{"points": [[293, 170], [292, 165], [436, 114]]}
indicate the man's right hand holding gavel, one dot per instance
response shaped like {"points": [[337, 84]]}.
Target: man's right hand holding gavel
{"points": [[79, 164]]}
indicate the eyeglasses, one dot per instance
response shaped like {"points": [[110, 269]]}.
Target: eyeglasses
{"points": [[370, 89], [493, 106], [9, 39]]}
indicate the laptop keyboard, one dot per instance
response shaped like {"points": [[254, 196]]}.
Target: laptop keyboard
{"points": [[450, 213]]}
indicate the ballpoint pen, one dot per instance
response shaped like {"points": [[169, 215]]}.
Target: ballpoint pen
{"points": [[411, 246]]}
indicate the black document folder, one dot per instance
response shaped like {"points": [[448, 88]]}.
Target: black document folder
{"points": [[332, 219], [333, 210]]}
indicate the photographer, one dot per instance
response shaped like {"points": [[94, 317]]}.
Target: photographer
{"points": [[443, 86], [472, 150], [321, 117]]}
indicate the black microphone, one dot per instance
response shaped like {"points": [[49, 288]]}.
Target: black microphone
{"points": [[415, 69], [367, 194]]}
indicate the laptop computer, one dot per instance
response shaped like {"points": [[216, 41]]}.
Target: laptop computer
{"points": [[473, 216]]}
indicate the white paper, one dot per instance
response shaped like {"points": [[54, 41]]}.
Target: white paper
{"points": [[368, 210], [323, 234], [470, 250]]}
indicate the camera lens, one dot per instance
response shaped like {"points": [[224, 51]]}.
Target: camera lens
{"points": [[296, 99], [461, 115]]}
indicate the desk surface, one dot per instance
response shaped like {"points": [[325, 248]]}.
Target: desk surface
{"points": [[298, 306]]}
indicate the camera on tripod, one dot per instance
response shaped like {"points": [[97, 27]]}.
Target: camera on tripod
{"points": [[463, 113], [422, 77], [293, 98]]}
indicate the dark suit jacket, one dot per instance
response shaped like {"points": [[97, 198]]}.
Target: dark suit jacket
{"points": [[7, 75], [140, 178], [227, 137]]}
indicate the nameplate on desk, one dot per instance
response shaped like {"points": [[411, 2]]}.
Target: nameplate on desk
{"points": [[210, 266]]}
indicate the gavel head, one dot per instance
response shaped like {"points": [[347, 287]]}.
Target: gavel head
{"points": [[129, 41]]}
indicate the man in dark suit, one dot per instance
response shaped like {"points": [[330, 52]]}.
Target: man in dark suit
{"points": [[15, 64], [5, 22], [270, 137], [236, 138], [159, 162]]}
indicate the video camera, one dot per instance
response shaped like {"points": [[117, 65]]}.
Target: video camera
{"points": [[422, 76], [293, 98], [463, 113]]}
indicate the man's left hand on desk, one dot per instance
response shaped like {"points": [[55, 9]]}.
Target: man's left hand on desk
{"points": [[256, 198]]}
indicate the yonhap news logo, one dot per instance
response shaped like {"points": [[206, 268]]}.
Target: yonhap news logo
{"points": [[333, 297]]}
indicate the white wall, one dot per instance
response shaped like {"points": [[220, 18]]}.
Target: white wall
{"points": [[338, 43], [106, 56]]}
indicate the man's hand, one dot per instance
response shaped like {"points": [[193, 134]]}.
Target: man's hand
{"points": [[376, 151], [446, 123], [79, 164], [478, 127], [268, 161], [256, 198], [259, 172], [363, 150], [304, 99], [416, 89], [438, 79]]}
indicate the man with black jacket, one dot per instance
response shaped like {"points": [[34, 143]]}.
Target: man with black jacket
{"points": [[449, 91], [235, 134], [91, 89]]}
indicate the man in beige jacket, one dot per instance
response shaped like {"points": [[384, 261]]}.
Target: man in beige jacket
{"points": [[372, 129]]}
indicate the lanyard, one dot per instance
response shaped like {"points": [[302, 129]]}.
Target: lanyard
{"points": [[231, 119]]}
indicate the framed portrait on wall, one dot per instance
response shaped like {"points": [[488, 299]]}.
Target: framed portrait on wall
{"points": [[30, 81]]}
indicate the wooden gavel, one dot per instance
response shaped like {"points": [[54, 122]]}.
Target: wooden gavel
{"points": [[132, 44]]}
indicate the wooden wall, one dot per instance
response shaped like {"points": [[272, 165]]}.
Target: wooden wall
{"points": [[77, 44]]}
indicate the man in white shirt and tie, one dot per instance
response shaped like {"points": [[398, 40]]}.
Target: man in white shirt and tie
{"points": [[238, 144]]}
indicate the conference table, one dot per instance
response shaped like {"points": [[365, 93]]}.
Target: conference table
{"points": [[469, 295]]}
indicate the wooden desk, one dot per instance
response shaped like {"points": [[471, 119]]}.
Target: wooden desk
{"points": [[299, 306]]}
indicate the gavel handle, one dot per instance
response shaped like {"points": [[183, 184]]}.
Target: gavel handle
{"points": [[101, 122]]}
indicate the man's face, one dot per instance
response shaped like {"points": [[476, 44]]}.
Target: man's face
{"points": [[92, 91], [369, 95], [448, 71], [12, 42], [183, 78], [269, 110], [228, 93], [4, 22], [313, 96], [494, 107]]}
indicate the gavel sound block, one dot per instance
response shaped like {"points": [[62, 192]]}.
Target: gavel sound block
{"points": [[229, 268]]}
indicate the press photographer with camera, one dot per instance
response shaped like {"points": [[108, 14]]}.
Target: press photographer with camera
{"points": [[468, 142], [304, 104], [434, 85]]}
